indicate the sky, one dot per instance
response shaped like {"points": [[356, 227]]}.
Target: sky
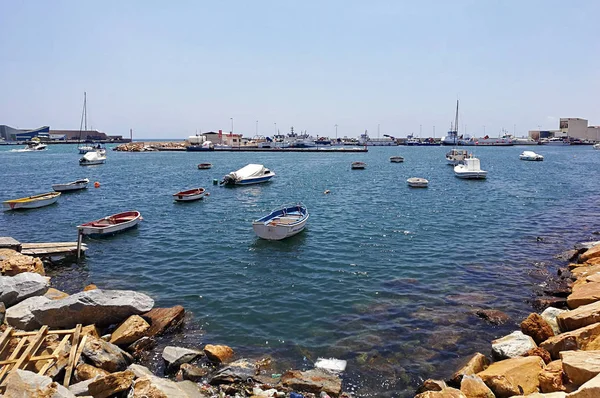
{"points": [[172, 69]]}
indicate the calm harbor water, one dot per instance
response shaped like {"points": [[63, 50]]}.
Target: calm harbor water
{"points": [[384, 276]]}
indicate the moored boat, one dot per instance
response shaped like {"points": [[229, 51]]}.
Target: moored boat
{"points": [[91, 158], [32, 202], [204, 166], [190, 195], [530, 155], [396, 159], [358, 165], [417, 182], [596, 146], [111, 224], [249, 174], [282, 223], [470, 169], [71, 186], [456, 156]]}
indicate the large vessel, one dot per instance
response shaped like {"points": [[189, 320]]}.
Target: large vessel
{"points": [[387, 140]]}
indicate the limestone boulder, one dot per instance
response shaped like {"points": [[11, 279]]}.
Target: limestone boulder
{"points": [[191, 372], [139, 370], [90, 330], [589, 389], [581, 273], [85, 371], [584, 293], [513, 345], [157, 387], [129, 331], [55, 294], [175, 356], [100, 307], [26, 384], [513, 376], [582, 316], [19, 263], [477, 363], [218, 353], [551, 315], [580, 366], [164, 320], [473, 387], [20, 315], [586, 338], [536, 327], [447, 392], [14, 289], [105, 355], [540, 352], [314, 381], [551, 377], [109, 385], [82, 388], [89, 287], [592, 252]]}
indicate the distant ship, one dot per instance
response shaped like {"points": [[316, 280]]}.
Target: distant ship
{"points": [[387, 140]]}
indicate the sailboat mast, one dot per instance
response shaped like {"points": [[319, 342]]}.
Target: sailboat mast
{"points": [[85, 109], [456, 119]]}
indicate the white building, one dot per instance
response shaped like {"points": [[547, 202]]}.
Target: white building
{"points": [[571, 127]]}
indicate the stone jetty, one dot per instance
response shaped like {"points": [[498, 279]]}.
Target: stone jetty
{"points": [[151, 146], [54, 344], [555, 354]]}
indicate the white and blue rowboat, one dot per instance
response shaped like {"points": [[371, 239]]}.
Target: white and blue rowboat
{"points": [[282, 223], [249, 174]]}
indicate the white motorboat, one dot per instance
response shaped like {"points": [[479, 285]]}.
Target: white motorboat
{"points": [[32, 147], [32, 202], [91, 158], [282, 223], [417, 182], [596, 146], [190, 195], [85, 149], [524, 141], [530, 155], [71, 186], [554, 141], [396, 159], [456, 156], [470, 169], [111, 224], [249, 174], [358, 165]]}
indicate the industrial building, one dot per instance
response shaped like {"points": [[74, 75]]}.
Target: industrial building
{"points": [[572, 128], [44, 133]]}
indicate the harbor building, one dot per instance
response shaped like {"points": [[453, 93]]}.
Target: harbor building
{"points": [[8, 133], [569, 127], [44, 133]]}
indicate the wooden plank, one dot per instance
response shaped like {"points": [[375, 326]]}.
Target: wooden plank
{"points": [[55, 354], [72, 355], [30, 350], [5, 338], [51, 245], [62, 331], [6, 242], [80, 350], [14, 355]]}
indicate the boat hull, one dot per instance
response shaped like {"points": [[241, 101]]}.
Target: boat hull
{"points": [[282, 223], [257, 180], [189, 197], [74, 186], [95, 228], [31, 203], [471, 175]]}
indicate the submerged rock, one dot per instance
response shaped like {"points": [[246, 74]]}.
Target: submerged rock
{"points": [[14, 289], [494, 317]]}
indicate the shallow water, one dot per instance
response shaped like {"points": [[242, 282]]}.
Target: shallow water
{"points": [[384, 276]]}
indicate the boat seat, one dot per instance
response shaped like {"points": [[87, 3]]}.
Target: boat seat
{"points": [[128, 218]]}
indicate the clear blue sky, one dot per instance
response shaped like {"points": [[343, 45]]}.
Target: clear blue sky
{"points": [[167, 69]]}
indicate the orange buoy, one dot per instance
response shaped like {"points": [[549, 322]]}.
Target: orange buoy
{"points": [[96, 184]]}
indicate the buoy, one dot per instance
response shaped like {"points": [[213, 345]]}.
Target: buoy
{"points": [[208, 194], [326, 191], [215, 181], [96, 184]]}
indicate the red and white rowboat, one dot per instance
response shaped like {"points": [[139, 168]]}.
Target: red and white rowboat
{"points": [[111, 224], [189, 195]]}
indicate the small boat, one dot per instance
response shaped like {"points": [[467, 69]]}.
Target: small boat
{"points": [[204, 166], [396, 159], [282, 223], [111, 224], [32, 147], [189, 195], [470, 169], [91, 158], [249, 174], [596, 146], [71, 186], [32, 202], [456, 156], [530, 155], [358, 165], [417, 182]]}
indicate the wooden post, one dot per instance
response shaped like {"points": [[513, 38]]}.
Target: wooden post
{"points": [[79, 240]]}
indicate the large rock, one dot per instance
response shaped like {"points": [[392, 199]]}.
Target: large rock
{"points": [[586, 338], [55, 294], [589, 389], [190, 372], [25, 384], [139, 370], [100, 307], [584, 293], [473, 387], [105, 355], [20, 316], [582, 316], [163, 320], [111, 384], [540, 352], [19, 263], [551, 315], [432, 385], [536, 327], [314, 380], [85, 371], [513, 345], [513, 376], [175, 356], [82, 388], [551, 377], [240, 370], [156, 387], [218, 353], [129, 331], [447, 392], [477, 363], [580, 366], [14, 289], [592, 252]]}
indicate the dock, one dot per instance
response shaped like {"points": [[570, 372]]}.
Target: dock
{"points": [[44, 251]]}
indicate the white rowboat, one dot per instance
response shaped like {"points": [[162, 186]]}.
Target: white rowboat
{"points": [[282, 223], [32, 202], [111, 224], [417, 182], [71, 186], [190, 195]]}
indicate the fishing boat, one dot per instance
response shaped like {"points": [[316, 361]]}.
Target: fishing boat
{"points": [[204, 166], [417, 182], [358, 165], [282, 223], [190, 195], [91, 158], [111, 224], [396, 159], [470, 169], [249, 174], [71, 186], [32, 202], [530, 155]]}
